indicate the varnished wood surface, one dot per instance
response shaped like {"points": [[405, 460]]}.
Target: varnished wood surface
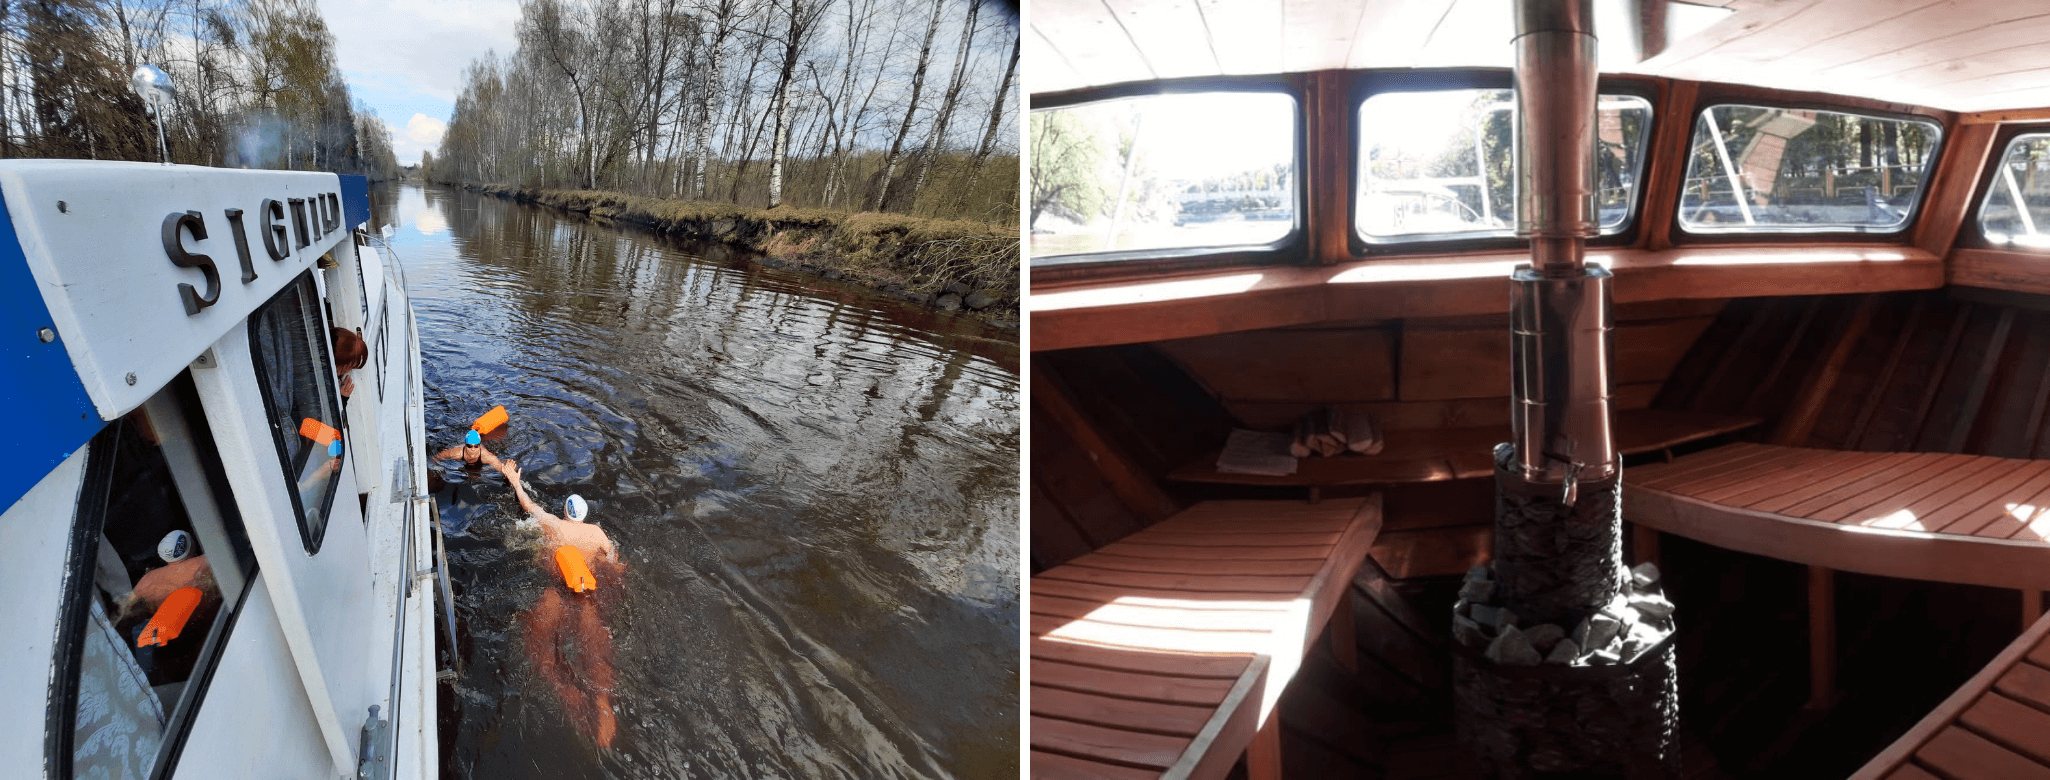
{"points": [[1950, 518], [1457, 453], [1995, 727], [1160, 655], [1127, 311], [2001, 269]]}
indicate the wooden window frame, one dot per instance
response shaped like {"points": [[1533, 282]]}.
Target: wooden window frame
{"points": [[1367, 84], [1155, 262], [1712, 94]]}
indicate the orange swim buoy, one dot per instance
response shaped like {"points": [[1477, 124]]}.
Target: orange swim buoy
{"points": [[170, 618], [321, 433], [574, 573], [490, 421]]}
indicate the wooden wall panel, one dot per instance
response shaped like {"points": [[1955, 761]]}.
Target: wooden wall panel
{"points": [[1316, 366], [2001, 269], [1648, 351], [1454, 371], [1056, 539], [1393, 415], [1457, 361], [1948, 201]]}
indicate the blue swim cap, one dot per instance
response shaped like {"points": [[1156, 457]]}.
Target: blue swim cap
{"points": [[472, 438]]}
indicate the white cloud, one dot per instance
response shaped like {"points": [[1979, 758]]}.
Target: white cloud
{"points": [[425, 131], [406, 57]]}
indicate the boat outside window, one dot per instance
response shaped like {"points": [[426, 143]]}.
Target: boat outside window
{"points": [[2023, 178], [1210, 170], [1441, 164], [1756, 169], [289, 339]]}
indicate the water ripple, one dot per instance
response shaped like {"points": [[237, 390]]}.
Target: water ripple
{"points": [[815, 490]]}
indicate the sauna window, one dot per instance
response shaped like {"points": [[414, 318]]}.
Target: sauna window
{"points": [[2023, 178], [1441, 164], [1758, 169], [1210, 170], [158, 566], [289, 339]]}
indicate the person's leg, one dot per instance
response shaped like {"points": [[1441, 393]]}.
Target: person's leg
{"points": [[546, 625], [595, 642]]}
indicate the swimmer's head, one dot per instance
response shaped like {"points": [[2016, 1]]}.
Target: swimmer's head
{"points": [[176, 546], [575, 508], [472, 438]]}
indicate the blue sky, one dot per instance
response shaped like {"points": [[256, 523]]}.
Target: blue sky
{"points": [[405, 58]]}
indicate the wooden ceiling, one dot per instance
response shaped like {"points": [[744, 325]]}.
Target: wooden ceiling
{"points": [[1959, 55]]}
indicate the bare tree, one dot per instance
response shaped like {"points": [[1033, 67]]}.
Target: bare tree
{"points": [[938, 136], [802, 17], [932, 28]]}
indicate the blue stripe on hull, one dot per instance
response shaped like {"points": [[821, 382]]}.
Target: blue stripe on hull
{"points": [[355, 200], [48, 413]]}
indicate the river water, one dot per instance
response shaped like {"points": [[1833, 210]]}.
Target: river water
{"points": [[814, 490]]}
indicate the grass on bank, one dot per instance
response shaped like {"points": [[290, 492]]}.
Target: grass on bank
{"points": [[918, 254]]}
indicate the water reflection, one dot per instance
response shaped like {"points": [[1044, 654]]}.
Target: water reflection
{"points": [[814, 489]]}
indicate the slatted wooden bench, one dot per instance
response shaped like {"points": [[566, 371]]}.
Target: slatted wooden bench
{"points": [[1928, 516], [1162, 654], [1996, 727]]}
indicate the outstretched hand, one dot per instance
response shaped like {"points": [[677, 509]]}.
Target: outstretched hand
{"points": [[510, 468]]}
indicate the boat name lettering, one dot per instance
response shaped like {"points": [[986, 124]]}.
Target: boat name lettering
{"points": [[271, 218], [174, 223]]}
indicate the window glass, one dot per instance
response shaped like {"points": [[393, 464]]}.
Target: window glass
{"points": [[1441, 164], [1213, 169], [1752, 168], [157, 586], [289, 340], [2022, 178]]}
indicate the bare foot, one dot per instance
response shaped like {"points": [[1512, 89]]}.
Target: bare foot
{"points": [[607, 726]]}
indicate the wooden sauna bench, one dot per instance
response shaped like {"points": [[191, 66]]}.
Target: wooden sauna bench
{"points": [[1967, 519], [1435, 455], [1915, 515], [1162, 654], [1995, 727]]}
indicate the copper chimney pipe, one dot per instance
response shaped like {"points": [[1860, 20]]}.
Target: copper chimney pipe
{"points": [[1559, 306]]}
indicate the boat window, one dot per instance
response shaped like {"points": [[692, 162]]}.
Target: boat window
{"points": [[1441, 164], [2023, 178], [158, 567], [289, 338], [1176, 171], [1753, 169]]}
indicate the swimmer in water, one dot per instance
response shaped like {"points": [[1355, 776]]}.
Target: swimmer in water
{"points": [[566, 634], [471, 451]]}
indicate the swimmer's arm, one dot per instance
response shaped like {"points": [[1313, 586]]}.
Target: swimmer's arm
{"points": [[450, 453], [488, 459], [511, 470]]}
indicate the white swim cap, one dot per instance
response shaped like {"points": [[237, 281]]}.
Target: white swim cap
{"points": [[176, 546], [575, 508]]}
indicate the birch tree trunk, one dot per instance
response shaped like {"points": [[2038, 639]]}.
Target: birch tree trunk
{"points": [[989, 133], [937, 140], [932, 28]]}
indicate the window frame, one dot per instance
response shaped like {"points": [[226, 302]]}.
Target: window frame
{"points": [[1368, 84], [311, 543], [1289, 248], [1715, 94], [82, 560], [1971, 235]]}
